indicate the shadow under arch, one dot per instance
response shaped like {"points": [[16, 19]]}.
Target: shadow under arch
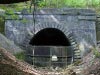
{"points": [[50, 37]]}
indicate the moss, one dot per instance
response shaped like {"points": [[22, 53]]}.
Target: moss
{"points": [[24, 21], [20, 55]]}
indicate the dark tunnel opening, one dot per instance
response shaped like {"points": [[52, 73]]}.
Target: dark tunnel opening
{"points": [[50, 37], [48, 42]]}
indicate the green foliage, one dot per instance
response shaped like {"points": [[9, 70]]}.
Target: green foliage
{"points": [[24, 21], [82, 3], [76, 3], [20, 55], [51, 4], [11, 8], [96, 53], [69, 3]]}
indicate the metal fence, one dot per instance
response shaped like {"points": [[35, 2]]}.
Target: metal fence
{"points": [[55, 56]]}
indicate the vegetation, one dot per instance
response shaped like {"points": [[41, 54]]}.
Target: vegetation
{"points": [[96, 53], [16, 7], [52, 3], [71, 3], [20, 56], [10, 8]]}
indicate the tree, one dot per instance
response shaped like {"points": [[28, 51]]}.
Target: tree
{"points": [[11, 1]]}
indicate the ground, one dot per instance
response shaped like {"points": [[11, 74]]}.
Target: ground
{"points": [[9, 65]]}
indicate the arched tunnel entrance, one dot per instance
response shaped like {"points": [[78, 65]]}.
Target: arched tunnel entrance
{"points": [[50, 37], [51, 42]]}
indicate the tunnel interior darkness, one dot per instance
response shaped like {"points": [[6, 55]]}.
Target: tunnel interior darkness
{"points": [[50, 37]]}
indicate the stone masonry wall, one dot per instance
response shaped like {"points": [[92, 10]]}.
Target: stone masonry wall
{"points": [[80, 22]]}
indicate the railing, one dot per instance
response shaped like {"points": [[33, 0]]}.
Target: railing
{"points": [[55, 56]]}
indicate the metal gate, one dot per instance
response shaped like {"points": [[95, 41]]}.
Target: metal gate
{"points": [[47, 56]]}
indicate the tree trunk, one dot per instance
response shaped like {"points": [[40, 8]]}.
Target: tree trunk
{"points": [[11, 1]]}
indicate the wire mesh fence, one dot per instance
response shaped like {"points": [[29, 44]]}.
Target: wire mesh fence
{"points": [[51, 56]]}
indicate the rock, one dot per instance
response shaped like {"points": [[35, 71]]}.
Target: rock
{"points": [[69, 72], [9, 65], [2, 12], [9, 45]]}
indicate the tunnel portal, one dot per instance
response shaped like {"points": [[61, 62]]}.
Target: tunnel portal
{"points": [[53, 27], [50, 42], [50, 37]]}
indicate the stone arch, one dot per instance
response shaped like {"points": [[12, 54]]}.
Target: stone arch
{"points": [[39, 27], [69, 34], [50, 37]]}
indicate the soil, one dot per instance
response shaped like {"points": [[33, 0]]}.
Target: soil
{"points": [[9, 65]]}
